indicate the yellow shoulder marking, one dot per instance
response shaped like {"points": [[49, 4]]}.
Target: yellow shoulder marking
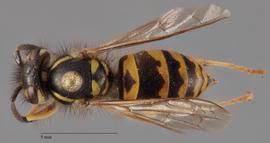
{"points": [[62, 98], [60, 61]]}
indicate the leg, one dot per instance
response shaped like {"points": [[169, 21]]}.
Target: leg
{"points": [[229, 65], [43, 111], [241, 99]]}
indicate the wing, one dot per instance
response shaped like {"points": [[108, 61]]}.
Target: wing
{"points": [[174, 22], [177, 115]]}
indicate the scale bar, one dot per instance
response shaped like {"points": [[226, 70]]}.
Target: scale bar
{"points": [[79, 133]]}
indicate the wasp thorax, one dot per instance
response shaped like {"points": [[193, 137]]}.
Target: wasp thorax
{"points": [[78, 78], [72, 81]]}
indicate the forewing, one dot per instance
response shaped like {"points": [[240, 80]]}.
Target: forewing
{"points": [[175, 21], [177, 115]]}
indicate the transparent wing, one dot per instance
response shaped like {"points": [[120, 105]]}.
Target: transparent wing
{"points": [[177, 115], [174, 22]]}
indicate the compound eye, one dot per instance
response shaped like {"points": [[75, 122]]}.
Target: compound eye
{"points": [[31, 95], [17, 58]]}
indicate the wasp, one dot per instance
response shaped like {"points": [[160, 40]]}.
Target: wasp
{"points": [[161, 87]]}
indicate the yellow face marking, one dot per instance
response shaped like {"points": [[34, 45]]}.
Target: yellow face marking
{"points": [[62, 98], [39, 112], [163, 71], [130, 65], [60, 61], [94, 66], [71, 81], [183, 72], [105, 67], [95, 88]]}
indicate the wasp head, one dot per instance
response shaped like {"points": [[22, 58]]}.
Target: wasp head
{"points": [[33, 62]]}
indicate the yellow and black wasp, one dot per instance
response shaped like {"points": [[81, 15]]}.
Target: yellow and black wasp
{"points": [[156, 86]]}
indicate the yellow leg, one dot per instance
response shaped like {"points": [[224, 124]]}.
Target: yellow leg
{"points": [[241, 99], [43, 111], [229, 65]]}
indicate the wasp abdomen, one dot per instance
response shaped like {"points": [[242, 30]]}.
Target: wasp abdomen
{"points": [[160, 74]]}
